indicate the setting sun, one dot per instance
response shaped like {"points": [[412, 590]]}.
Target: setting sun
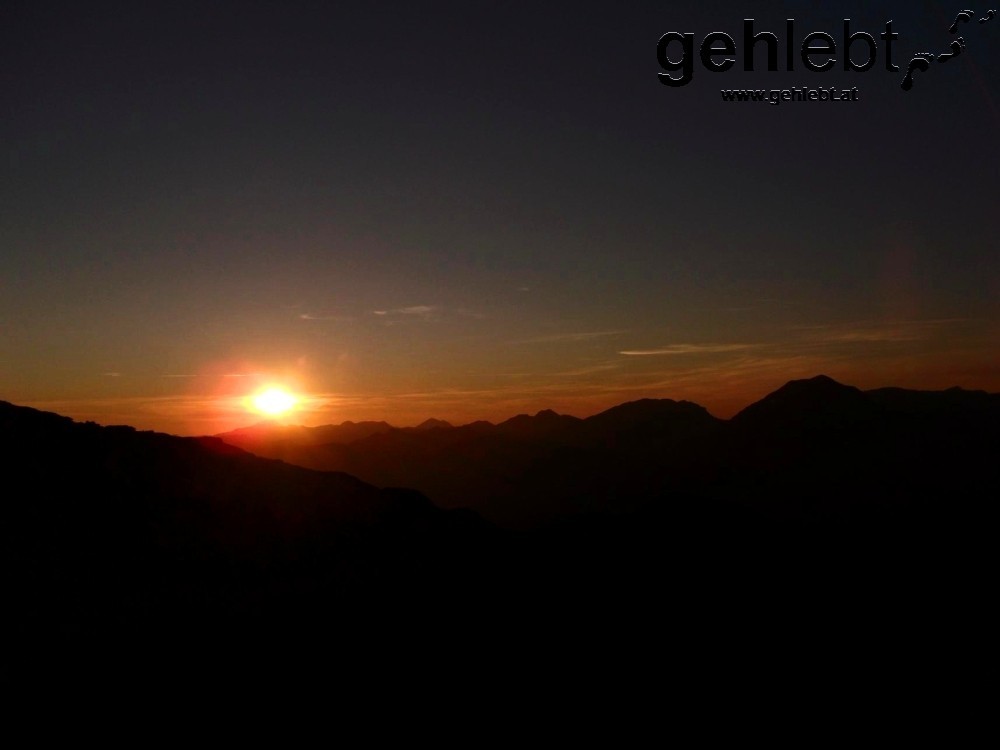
{"points": [[274, 401]]}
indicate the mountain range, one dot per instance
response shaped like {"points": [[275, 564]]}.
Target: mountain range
{"points": [[819, 489], [813, 448]]}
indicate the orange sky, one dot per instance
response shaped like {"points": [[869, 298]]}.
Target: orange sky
{"points": [[722, 377], [525, 218]]}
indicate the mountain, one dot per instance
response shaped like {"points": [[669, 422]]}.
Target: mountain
{"points": [[652, 414], [121, 539], [265, 433], [858, 502], [814, 448], [116, 526], [530, 470], [433, 424], [817, 403]]}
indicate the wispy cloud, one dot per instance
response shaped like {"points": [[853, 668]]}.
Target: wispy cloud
{"points": [[393, 315], [580, 336], [681, 349], [312, 316], [589, 370], [419, 310], [112, 374], [879, 331]]}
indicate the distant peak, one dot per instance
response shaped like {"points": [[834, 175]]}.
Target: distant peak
{"points": [[821, 384], [432, 424], [824, 380], [647, 412], [805, 399], [545, 420]]}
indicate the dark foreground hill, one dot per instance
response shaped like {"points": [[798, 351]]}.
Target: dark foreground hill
{"points": [[819, 504], [134, 530]]}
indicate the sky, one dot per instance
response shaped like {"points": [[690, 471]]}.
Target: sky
{"points": [[471, 210]]}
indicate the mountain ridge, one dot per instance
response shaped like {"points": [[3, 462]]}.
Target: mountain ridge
{"points": [[110, 525], [799, 386], [532, 469]]}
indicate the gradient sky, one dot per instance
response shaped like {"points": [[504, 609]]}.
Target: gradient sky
{"points": [[470, 210]]}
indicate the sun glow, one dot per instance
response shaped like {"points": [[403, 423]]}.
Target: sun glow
{"points": [[274, 401]]}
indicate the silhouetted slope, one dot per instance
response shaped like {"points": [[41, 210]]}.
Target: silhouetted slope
{"points": [[652, 415], [950, 404], [545, 425], [811, 450], [819, 491], [266, 438], [109, 524], [533, 469], [814, 404], [816, 449], [433, 424]]}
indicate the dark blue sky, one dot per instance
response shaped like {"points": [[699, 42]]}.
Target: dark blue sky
{"points": [[467, 210]]}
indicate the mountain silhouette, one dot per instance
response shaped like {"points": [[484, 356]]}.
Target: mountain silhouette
{"points": [[526, 471], [819, 492], [811, 449], [433, 424], [111, 525], [651, 413], [816, 403], [270, 431]]}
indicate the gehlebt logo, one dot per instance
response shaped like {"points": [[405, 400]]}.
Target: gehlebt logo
{"points": [[817, 52]]}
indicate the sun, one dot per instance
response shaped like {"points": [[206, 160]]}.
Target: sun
{"points": [[274, 401]]}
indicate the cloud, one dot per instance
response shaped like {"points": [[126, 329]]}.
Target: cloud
{"points": [[112, 374], [879, 332], [310, 316], [681, 349], [591, 370], [585, 336], [402, 315], [421, 310]]}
